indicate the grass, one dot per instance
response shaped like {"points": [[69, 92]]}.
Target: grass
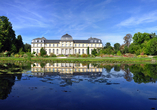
{"points": [[80, 59]]}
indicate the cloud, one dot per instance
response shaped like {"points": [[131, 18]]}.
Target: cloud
{"points": [[140, 19]]}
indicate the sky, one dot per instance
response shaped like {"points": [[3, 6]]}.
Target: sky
{"points": [[108, 20]]}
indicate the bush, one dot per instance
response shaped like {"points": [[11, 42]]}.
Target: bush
{"points": [[17, 55], [52, 55], [42, 52], [84, 55], [142, 56], [119, 53], [2, 55], [25, 55], [45, 56]]}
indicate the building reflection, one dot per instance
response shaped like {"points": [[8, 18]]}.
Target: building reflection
{"points": [[66, 71]]}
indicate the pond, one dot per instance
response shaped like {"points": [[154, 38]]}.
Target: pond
{"points": [[77, 86]]}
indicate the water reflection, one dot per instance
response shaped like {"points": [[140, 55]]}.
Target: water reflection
{"points": [[8, 74], [66, 73]]}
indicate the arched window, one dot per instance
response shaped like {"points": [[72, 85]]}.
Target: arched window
{"points": [[53, 50], [49, 50], [75, 51], [82, 51], [79, 51], [57, 51]]}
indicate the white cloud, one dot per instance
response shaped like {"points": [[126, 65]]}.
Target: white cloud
{"points": [[135, 20]]}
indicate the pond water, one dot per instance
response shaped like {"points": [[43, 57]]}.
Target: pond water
{"points": [[76, 86]]}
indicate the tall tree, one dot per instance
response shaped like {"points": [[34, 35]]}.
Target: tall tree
{"points": [[127, 39], [27, 47], [139, 38], [117, 46], [107, 45], [19, 43], [7, 34]]}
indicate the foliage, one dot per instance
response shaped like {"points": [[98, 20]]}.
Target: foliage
{"points": [[27, 47], [119, 53], [84, 55], [127, 39], [143, 56], [107, 45], [94, 52], [87, 50], [7, 34], [52, 55], [152, 47], [139, 38], [133, 48], [42, 52], [16, 55], [116, 47]]}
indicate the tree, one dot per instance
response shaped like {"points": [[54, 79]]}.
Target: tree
{"points": [[19, 43], [107, 45], [27, 47], [133, 48], [140, 38], [127, 39], [94, 52], [42, 52], [87, 50], [117, 47], [7, 34], [152, 47]]}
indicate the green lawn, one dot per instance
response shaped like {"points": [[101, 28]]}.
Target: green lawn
{"points": [[80, 59]]}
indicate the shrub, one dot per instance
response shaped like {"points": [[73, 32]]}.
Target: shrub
{"points": [[142, 56], [119, 53], [84, 55], [2, 55], [52, 55], [25, 55], [42, 52], [16, 55]]}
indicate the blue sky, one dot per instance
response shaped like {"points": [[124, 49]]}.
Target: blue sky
{"points": [[109, 20]]}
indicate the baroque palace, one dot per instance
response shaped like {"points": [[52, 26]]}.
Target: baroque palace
{"points": [[66, 45]]}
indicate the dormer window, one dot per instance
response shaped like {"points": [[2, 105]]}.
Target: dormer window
{"points": [[95, 40], [91, 40], [35, 40], [99, 40], [39, 40]]}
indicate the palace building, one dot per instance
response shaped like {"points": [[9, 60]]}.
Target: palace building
{"points": [[66, 45]]}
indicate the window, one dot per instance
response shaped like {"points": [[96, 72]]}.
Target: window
{"points": [[62, 45], [57, 51], [39, 40], [95, 45], [53, 50], [70, 45], [49, 45], [79, 51], [45, 45], [86, 45], [53, 45], [82, 51], [91, 45], [86, 50], [82, 45], [49, 50], [66, 45], [91, 40], [33, 45], [33, 50], [75, 45], [37, 45], [79, 45], [37, 50], [75, 51], [57, 45], [95, 40], [40, 45], [70, 51], [99, 40]]}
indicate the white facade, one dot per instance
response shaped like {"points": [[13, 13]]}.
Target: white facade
{"points": [[65, 46]]}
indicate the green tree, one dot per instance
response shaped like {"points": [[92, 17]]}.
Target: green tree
{"points": [[107, 45], [19, 43], [133, 48], [127, 39], [42, 52], [94, 52], [7, 34], [27, 47], [87, 50], [139, 38], [152, 47], [117, 47]]}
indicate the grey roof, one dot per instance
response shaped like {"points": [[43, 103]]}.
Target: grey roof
{"points": [[81, 41], [66, 37], [43, 38]]}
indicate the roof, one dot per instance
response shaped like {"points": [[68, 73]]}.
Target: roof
{"points": [[52, 41], [66, 37]]}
